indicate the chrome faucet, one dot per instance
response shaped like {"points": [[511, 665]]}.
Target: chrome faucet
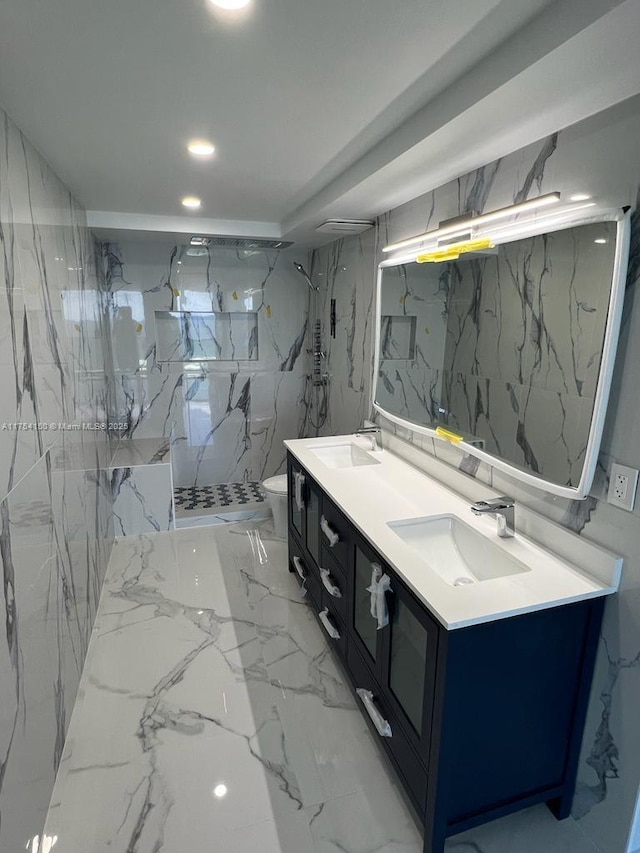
{"points": [[371, 432], [504, 509]]}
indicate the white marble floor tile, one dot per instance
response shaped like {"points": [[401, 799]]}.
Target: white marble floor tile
{"points": [[532, 831], [212, 716], [362, 823]]}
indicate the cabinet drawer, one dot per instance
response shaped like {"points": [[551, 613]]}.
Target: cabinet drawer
{"points": [[333, 523], [409, 767], [335, 579], [306, 573], [339, 643]]}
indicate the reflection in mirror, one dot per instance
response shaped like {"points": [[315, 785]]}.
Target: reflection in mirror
{"points": [[503, 347]]}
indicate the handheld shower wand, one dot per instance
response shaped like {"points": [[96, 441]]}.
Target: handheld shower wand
{"points": [[304, 273]]}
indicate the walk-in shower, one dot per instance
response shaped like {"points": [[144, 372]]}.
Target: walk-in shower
{"points": [[316, 382]]}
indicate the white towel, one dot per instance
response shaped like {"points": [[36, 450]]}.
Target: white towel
{"points": [[382, 611], [376, 573]]}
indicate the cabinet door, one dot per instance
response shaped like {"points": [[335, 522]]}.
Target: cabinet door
{"points": [[312, 520], [409, 659], [296, 489], [363, 624], [304, 509]]}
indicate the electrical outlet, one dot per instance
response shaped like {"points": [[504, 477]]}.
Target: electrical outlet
{"points": [[623, 483]]}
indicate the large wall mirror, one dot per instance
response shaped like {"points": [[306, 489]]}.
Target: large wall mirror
{"points": [[511, 347]]}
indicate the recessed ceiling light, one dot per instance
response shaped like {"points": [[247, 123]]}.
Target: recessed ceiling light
{"points": [[231, 4], [220, 791], [200, 148], [191, 201], [601, 241], [579, 197]]}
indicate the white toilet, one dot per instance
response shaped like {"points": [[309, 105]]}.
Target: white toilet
{"points": [[276, 491]]}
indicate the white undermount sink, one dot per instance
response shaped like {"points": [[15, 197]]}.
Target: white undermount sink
{"points": [[455, 551], [346, 455]]}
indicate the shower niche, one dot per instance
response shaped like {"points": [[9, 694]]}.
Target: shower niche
{"points": [[206, 336], [398, 337]]}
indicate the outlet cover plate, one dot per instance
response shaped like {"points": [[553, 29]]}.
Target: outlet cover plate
{"points": [[623, 483]]}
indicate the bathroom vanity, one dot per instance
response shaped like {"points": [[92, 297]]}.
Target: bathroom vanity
{"points": [[471, 656]]}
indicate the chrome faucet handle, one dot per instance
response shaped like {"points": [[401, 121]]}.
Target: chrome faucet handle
{"points": [[503, 502], [370, 432], [504, 510]]}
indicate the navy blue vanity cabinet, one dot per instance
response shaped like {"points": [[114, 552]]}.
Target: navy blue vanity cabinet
{"points": [[363, 625], [509, 710], [403, 654], [321, 576], [478, 722], [335, 533], [335, 538], [304, 509], [335, 557], [306, 571], [395, 662], [409, 659], [295, 493]]}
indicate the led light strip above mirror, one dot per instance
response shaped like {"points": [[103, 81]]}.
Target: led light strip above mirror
{"points": [[465, 226], [494, 235]]}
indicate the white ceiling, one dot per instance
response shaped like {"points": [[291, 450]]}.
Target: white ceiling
{"points": [[317, 107]]}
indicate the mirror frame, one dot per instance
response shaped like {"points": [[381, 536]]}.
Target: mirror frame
{"points": [[605, 374]]}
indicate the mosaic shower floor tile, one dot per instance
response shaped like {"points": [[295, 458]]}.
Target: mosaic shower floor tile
{"points": [[217, 498]]}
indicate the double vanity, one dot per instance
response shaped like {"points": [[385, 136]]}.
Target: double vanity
{"points": [[471, 653]]}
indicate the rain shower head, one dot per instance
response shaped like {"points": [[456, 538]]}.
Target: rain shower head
{"points": [[304, 273]]}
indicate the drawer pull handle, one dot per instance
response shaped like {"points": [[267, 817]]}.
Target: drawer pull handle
{"points": [[332, 536], [332, 588], [329, 627], [299, 483], [382, 726], [299, 566]]}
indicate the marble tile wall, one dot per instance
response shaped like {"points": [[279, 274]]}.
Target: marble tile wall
{"points": [[599, 156], [142, 487], [345, 270], [225, 388], [56, 526]]}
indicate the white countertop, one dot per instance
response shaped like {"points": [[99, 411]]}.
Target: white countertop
{"points": [[372, 495]]}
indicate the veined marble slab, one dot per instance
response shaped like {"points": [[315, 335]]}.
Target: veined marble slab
{"points": [[209, 352], [56, 526], [211, 715], [141, 451], [142, 499]]}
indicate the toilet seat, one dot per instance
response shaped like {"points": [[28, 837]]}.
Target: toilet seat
{"points": [[277, 485]]}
